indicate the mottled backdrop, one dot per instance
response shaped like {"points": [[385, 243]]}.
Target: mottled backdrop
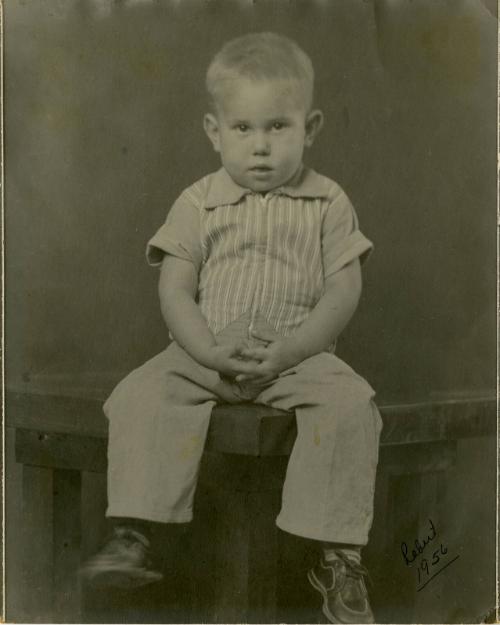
{"points": [[104, 102]]}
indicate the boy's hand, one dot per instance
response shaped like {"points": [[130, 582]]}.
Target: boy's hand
{"points": [[230, 360], [274, 358]]}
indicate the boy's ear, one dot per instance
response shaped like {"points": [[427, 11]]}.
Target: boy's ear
{"points": [[211, 127], [314, 123]]}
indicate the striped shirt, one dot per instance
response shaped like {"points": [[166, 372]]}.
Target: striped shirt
{"points": [[261, 257]]}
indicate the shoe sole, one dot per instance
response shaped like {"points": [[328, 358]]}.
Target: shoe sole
{"points": [[317, 585], [121, 578]]}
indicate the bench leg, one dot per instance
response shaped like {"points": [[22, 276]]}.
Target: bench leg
{"points": [[51, 544], [236, 538], [247, 558], [67, 545], [37, 545]]}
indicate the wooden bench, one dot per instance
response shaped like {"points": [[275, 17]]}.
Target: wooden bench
{"points": [[57, 438]]}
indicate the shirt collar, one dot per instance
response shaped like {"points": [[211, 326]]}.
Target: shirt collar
{"points": [[306, 183]]}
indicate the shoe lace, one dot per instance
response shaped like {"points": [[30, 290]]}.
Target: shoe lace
{"points": [[354, 570]]}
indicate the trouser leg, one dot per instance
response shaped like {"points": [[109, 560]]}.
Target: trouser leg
{"points": [[158, 421], [330, 480]]}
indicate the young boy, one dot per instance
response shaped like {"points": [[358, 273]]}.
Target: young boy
{"points": [[260, 272]]}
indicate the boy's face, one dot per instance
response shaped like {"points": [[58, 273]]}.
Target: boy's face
{"points": [[260, 130]]}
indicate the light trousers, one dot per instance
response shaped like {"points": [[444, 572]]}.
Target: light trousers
{"points": [[159, 417]]}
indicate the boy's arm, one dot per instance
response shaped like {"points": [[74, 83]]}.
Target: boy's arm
{"points": [[324, 324], [178, 287], [332, 313]]}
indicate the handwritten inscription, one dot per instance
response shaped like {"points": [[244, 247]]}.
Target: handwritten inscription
{"points": [[433, 562], [420, 545]]}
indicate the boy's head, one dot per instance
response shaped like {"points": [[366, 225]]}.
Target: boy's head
{"points": [[261, 56], [261, 90]]}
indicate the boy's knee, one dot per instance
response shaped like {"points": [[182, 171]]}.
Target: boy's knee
{"points": [[349, 390], [350, 409], [142, 392]]}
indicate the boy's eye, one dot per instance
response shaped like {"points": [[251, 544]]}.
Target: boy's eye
{"points": [[278, 126], [242, 127]]}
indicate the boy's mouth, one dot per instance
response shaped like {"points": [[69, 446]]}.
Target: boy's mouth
{"points": [[261, 168]]}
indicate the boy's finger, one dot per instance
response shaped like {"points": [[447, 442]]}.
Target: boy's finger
{"points": [[237, 349], [257, 353], [265, 335], [241, 346], [241, 366], [245, 377], [249, 354]]}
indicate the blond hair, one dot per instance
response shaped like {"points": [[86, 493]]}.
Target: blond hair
{"points": [[260, 56]]}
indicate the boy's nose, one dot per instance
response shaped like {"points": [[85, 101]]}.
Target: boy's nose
{"points": [[261, 144]]}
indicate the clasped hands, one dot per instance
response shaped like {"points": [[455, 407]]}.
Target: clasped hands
{"points": [[259, 364]]}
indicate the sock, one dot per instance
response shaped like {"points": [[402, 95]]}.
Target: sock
{"points": [[352, 552], [138, 525]]}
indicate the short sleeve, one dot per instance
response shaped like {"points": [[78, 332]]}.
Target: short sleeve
{"points": [[341, 239], [178, 236]]}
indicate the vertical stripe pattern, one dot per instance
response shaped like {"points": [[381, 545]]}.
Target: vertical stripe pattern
{"points": [[261, 255]]}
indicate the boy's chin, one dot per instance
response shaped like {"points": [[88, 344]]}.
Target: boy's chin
{"points": [[261, 188], [257, 185]]}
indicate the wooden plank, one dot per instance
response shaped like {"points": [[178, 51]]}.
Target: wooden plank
{"points": [[67, 545], [55, 413], [277, 437], [88, 453], [62, 451], [239, 429], [418, 457], [267, 431], [443, 420], [260, 431], [37, 544]]}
